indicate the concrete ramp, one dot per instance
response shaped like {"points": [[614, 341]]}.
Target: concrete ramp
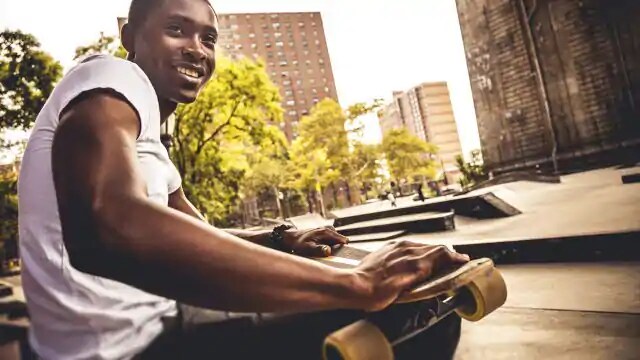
{"points": [[479, 206], [413, 223]]}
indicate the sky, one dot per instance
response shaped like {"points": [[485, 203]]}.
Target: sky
{"points": [[376, 46]]}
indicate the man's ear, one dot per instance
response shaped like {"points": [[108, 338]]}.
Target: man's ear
{"points": [[127, 35]]}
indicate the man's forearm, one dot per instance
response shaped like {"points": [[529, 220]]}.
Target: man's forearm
{"points": [[181, 258], [257, 237]]}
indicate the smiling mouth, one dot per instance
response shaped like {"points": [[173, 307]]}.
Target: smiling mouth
{"points": [[191, 73]]}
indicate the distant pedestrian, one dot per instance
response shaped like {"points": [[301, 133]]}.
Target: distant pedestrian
{"points": [[420, 193], [391, 198]]}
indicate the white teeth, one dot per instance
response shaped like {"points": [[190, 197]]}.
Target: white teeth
{"points": [[188, 72]]}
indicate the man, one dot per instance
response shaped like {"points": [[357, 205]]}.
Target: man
{"points": [[108, 236]]}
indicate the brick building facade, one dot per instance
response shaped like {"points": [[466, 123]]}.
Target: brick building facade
{"points": [[554, 82], [294, 50]]}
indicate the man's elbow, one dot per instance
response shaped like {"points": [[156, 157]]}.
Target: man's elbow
{"points": [[101, 240]]}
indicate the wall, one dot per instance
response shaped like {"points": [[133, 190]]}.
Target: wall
{"points": [[553, 77]]}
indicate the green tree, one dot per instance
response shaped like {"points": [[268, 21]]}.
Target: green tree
{"points": [[324, 128], [9, 215], [310, 172], [104, 45], [215, 136], [407, 155], [474, 171], [365, 162], [27, 77]]}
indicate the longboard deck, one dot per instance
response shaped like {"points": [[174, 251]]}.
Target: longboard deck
{"points": [[438, 284]]}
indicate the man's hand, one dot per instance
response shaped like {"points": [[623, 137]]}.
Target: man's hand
{"points": [[313, 243], [397, 267]]}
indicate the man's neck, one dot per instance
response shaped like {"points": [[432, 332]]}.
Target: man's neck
{"points": [[167, 108]]}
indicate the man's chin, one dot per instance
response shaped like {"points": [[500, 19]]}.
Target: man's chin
{"points": [[185, 97]]}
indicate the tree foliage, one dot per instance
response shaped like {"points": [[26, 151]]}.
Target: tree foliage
{"points": [[216, 137], [8, 214], [406, 154], [474, 171], [324, 144], [27, 78], [104, 45]]}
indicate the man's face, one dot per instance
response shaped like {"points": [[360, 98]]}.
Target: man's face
{"points": [[175, 48]]}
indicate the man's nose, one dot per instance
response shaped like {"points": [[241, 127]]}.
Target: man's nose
{"points": [[194, 49]]}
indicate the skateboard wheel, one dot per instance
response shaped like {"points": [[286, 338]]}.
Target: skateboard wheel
{"points": [[359, 341], [488, 292]]}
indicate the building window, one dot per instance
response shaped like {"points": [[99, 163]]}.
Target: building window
{"points": [[247, 17], [315, 33], [315, 100], [283, 63], [293, 113], [312, 81], [295, 63], [275, 25], [252, 35], [232, 17], [290, 102], [279, 44], [307, 62], [286, 82], [303, 34], [296, 73], [288, 93], [274, 16], [310, 71], [326, 89], [314, 90], [317, 42], [277, 34], [253, 46], [234, 27], [298, 82], [311, 15], [300, 24], [270, 55], [267, 44], [321, 61]]}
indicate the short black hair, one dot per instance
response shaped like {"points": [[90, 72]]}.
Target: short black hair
{"points": [[140, 10]]}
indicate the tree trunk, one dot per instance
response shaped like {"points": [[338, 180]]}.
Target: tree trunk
{"points": [[275, 192]]}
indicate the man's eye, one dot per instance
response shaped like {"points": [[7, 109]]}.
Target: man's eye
{"points": [[210, 40], [175, 29]]}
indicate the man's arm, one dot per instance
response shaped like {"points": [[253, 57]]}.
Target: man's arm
{"points": [[179, 201], [107, 219]]}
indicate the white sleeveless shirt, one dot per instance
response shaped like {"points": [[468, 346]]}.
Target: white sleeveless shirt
{"points": [[75, 315]]}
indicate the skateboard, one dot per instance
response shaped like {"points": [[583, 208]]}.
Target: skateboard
{"points": [[472, 290]]}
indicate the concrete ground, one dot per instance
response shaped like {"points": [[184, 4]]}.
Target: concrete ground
{"points": [[561, 311]]}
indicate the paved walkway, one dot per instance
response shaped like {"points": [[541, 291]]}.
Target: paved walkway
{"points": [[561, 311]]}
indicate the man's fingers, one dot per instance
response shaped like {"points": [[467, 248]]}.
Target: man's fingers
{"points": [[313, 249], [329, 236]]}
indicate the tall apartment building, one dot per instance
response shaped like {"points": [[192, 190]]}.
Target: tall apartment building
{"points": [[426, 112], [556, 83], [294, 49]]}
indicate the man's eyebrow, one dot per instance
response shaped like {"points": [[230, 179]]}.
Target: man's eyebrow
{"points": [[186, 19]]}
